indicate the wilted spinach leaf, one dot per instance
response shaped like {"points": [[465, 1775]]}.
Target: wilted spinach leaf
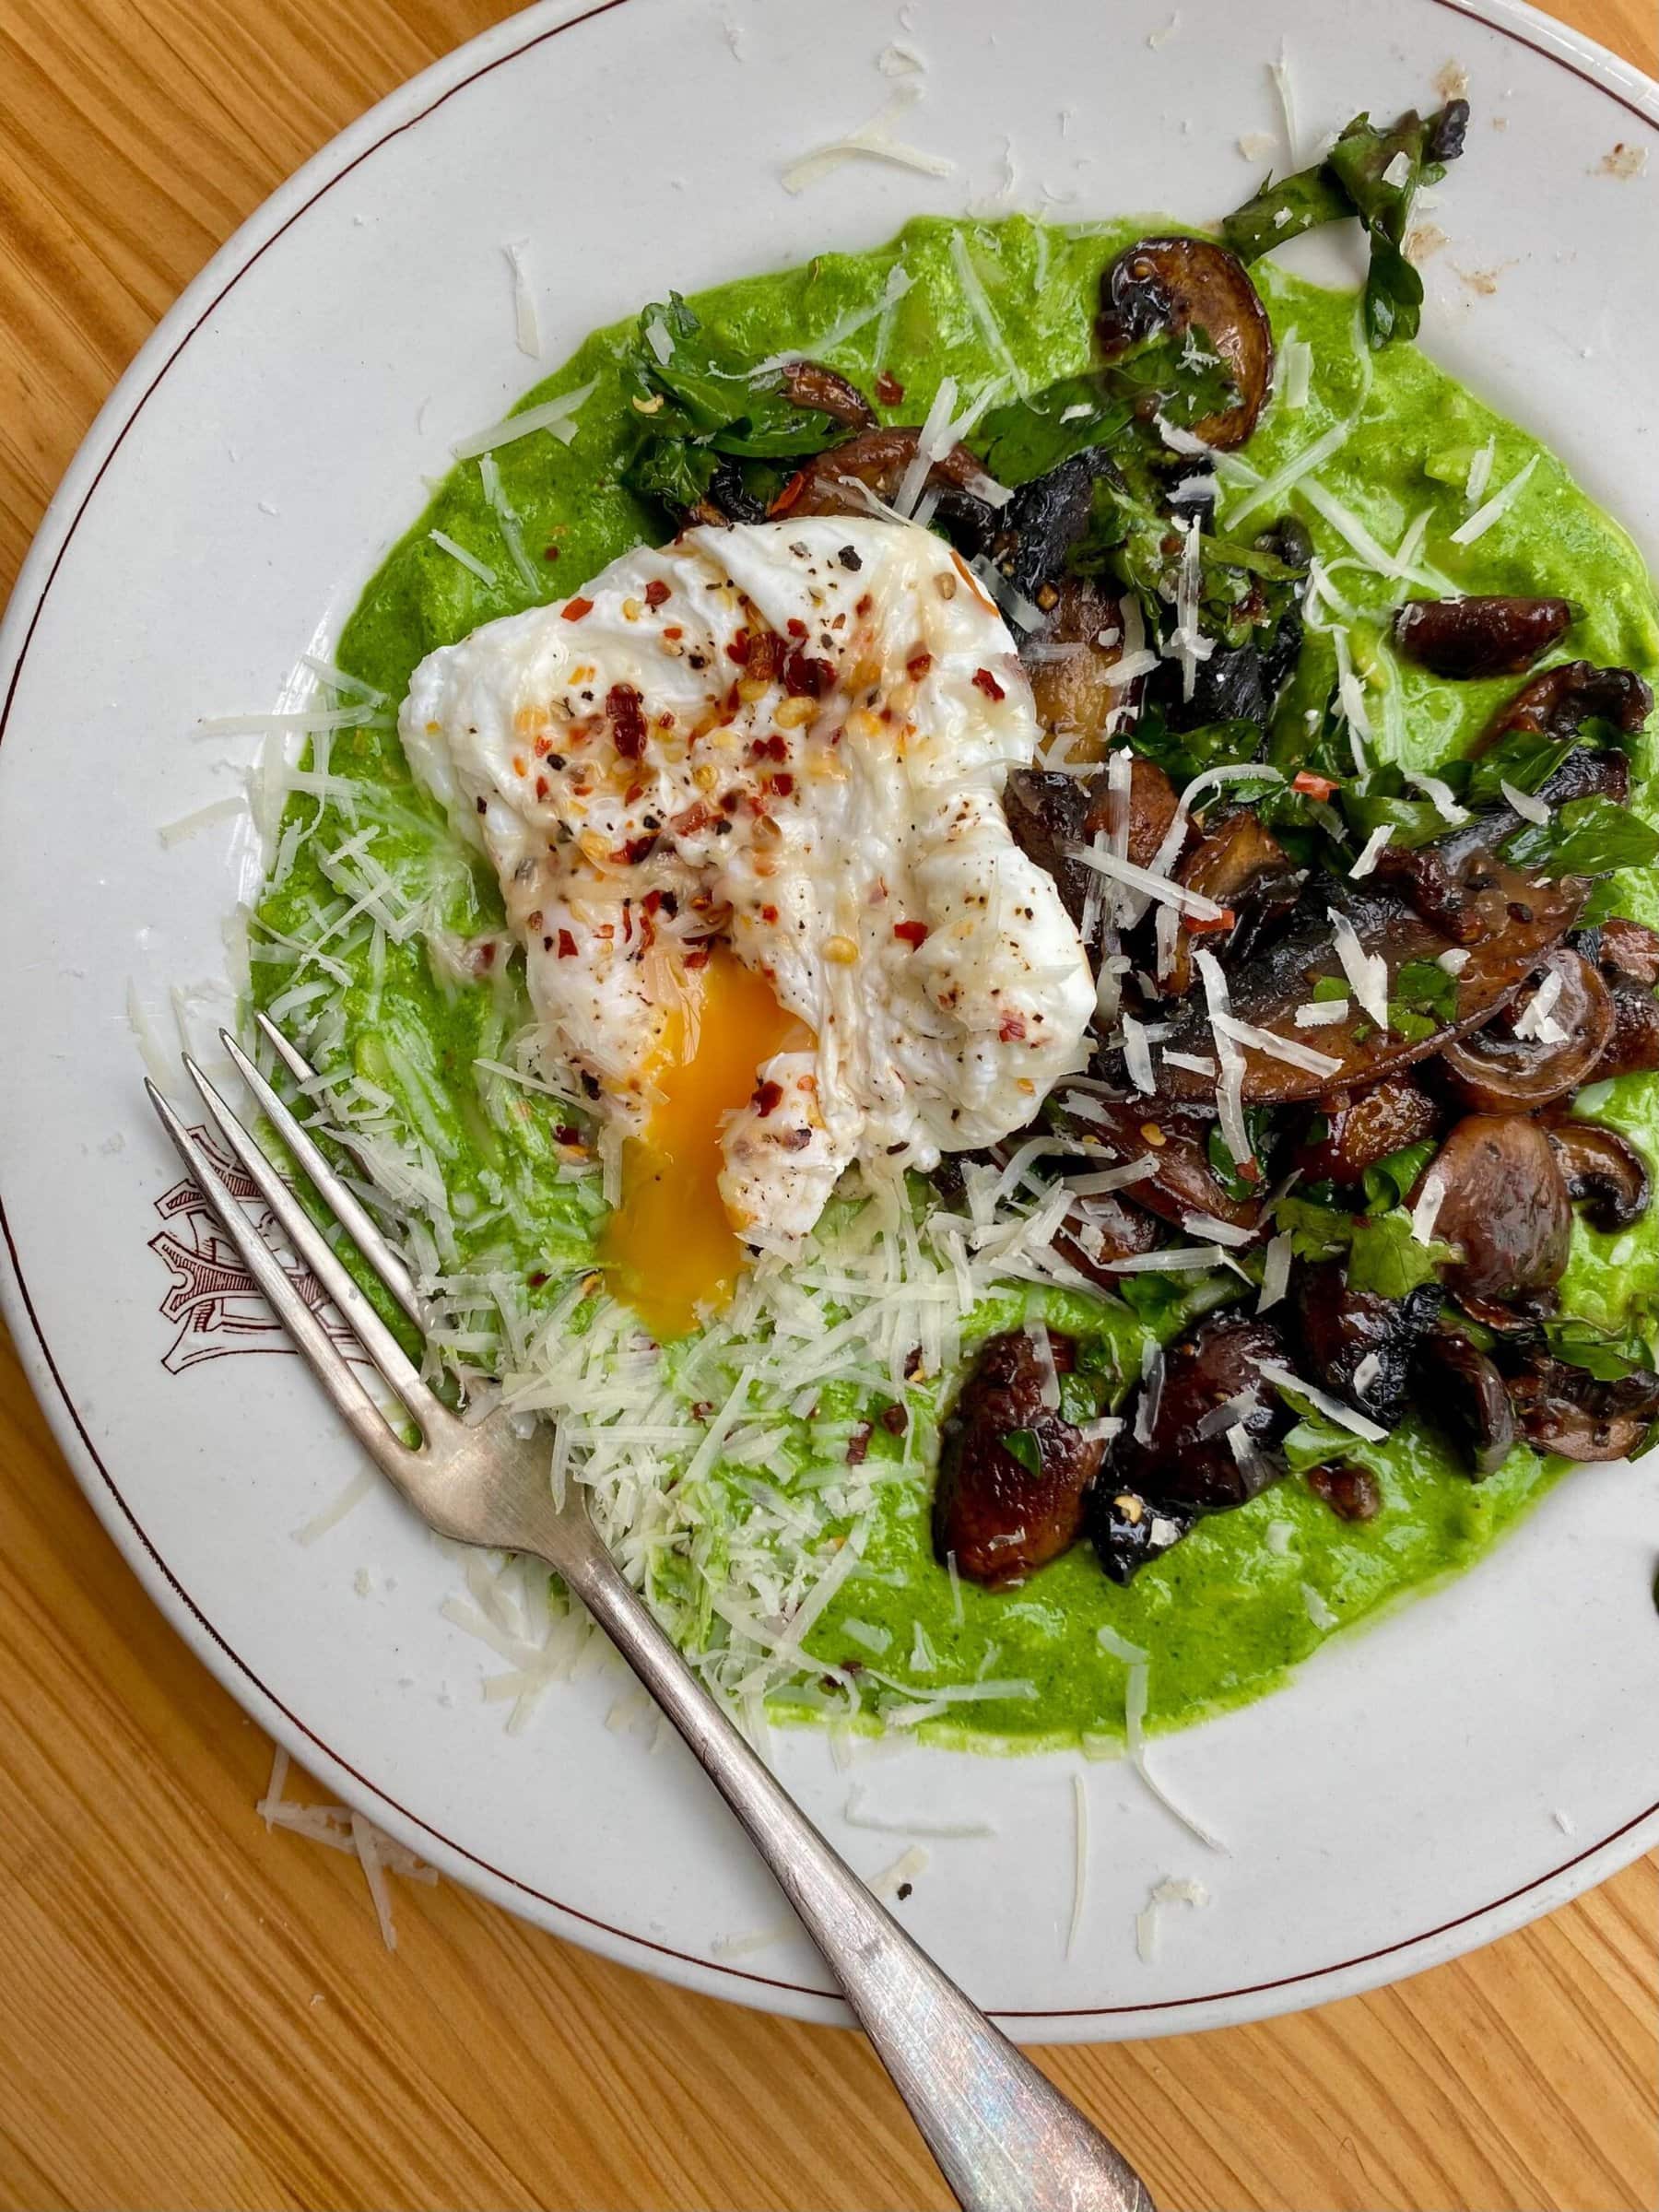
{"points": [[1586, 837]]}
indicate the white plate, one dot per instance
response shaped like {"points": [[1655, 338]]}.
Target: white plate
{"points": [[1392, 1807]]}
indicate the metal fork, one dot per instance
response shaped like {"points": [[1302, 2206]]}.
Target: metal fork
{"points": [[1005, 2137]]}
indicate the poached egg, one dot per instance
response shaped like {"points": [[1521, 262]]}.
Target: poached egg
{"points": [[742, 792]]}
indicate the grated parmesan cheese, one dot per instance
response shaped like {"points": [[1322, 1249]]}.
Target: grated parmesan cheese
{"points": [[873, 140], [1499, 505], [554, 414]]}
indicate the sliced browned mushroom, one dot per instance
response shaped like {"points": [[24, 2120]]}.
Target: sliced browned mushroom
{"points": [[1562, 1409], [1173, 1148], [1243, 868], [1563, 697], [1099, 1231], [1359, 1344], [1603, 1173], [1051, 815], [1517, 920], [1463, 1394], [810, 385], [1044, 520], [1497, 1070], [1629, 948], [1630, 964], [828, 483], [997, 1514], [1362, 1128], [1208, 1442], [1503, 1205], [1352, 1493], [1482, 636], [1181, 284], [1073, 683]]}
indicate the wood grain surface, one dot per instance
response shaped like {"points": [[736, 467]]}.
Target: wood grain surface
{"points": [[196, 2012]]}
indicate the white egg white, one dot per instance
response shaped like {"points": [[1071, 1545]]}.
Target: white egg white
{"points": [[793, 736]]}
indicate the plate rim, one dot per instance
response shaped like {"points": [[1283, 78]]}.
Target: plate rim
{"points": [[401, 109]]}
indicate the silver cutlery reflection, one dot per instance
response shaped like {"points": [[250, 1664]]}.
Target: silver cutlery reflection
{"points": [[1005, 2137]]}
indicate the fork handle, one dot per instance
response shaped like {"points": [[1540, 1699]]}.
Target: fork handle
{"points": [[1005, 2138]]}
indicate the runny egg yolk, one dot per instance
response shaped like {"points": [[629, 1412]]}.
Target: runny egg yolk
{"points": [[669, 1247]]}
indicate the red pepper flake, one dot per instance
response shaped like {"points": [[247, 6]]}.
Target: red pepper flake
{"points": [[696, 817], [1316, 787], [790, 493], [1224, 919], [894, 1418], [541, 787], [911, 933], [697, 957], [673, 629], [984, 681], [768, 1098], [656, 591], [567, 1133], [538, 1280], [917, 666], [627, 722], [858, 1446], [888, 390], [1012, 1029], [638, 849], [766, 657], [769, 914], [782, 785], [739, 650], [549, 552], [567, 946], [795, 627], [863, 604], [804, 677], [574, 609]]}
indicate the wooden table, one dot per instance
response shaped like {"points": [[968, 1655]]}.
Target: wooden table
{"points": [[194, 2012]]}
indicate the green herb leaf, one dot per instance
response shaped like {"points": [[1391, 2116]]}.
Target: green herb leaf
{"points": [[1387, 1182], [1387, 1259], [1314, 1442], [1586, 837], [1525, 758], [1608, 1355], [1023, 1445], [1029, 437]]}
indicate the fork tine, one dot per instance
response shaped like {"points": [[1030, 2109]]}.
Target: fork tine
{"points": [[311, 1340], [346, 1205], [313, 1248]]}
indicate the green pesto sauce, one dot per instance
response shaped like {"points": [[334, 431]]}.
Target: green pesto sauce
{"points": [[1228, 1612]]}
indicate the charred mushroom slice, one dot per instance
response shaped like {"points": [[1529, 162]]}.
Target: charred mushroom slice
{"points": [[1243, 868], [1045, 518], [1099, 1231], [1502, 1203], [1463, 1394], [1541, 1048], [1515, 918], [1072, 672], [1351, 1133], [1012, 1471], [1633, 1047], [1202, 1438], [1563, 697], [1358, 1344], [877, 459], [1563, 1409], [1052, 816], [1463, 638], [1179, 1182], [810, 385], [1128, 1530], [1630, 950], [1352, 1493], [1603, 1173], [1175, 285]]}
